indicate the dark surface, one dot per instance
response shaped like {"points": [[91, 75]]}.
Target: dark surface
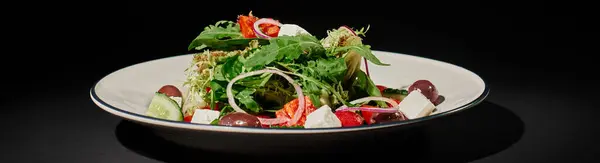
{"points": [[537, 58]]}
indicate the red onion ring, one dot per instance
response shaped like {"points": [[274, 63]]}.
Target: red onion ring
{"points": [[272, 121], [349, 29], [394, 107], [301, 102], [376, 98], [369, 109], [257, 30]]}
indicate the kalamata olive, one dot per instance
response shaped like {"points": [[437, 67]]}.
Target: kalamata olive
{"points": [[170, 90], [389, 117], [239, 119], [426, 88]]}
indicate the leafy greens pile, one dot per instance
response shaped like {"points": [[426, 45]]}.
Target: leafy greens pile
{"points": [[328, 69]]}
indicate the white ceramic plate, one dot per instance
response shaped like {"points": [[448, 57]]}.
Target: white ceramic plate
{"points": [[127, 92]]}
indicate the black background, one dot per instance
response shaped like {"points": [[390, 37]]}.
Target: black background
{"points": [[537, 57]]}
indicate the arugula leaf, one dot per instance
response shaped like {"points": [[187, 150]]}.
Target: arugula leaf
{"points": [[232, 67], [255, 81], [229, 44], [218, 87], [363, 86], [275, 93], [309, 81], [263, 56], [363, 50], [245, 97], [224, 35], [286, 48], [315, 99], [313, 49], [332, 70], [213, 100], [225, 110], [218, 75], [217, 32], [241, 93], [215, 122]]}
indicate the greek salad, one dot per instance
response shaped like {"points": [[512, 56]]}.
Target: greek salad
{"points": [[261, 72]]}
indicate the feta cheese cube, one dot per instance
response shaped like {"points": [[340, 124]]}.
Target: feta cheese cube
{"points": [[291, 30], [204, 116], [416, 105], [322, 118]]}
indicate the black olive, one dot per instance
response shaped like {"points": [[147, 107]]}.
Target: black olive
{"points": [[170, 90], [389, 117], [239, 119], [426, 88]]}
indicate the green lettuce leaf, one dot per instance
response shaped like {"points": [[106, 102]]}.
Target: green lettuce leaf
{"points": [[232, 67], [363, 86], [285, 48], [246, 98], [224, 35], [362, 50], [331, 70]]}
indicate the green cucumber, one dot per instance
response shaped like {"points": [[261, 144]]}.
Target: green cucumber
{"points": [[163, 107], [396, 94]]}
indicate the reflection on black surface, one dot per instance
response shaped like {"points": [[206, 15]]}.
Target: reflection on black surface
{"points": [[466, 136]]}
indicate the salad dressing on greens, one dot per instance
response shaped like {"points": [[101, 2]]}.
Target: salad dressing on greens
{"points": [[259, 72]]}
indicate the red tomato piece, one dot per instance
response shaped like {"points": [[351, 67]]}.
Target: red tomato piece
{"points": [[349, 119], [247, 25], [187, 118], [381, 88], [368, 116], [271, 30], [216, 107], [290, 108]]}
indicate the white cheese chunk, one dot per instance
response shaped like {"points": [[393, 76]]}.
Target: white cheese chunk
{"points": [[291, 30], [416, 105], [322, 118], [204, 116]]}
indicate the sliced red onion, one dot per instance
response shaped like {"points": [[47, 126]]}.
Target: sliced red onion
{"points": [[301, 102], [392, 109], [349, 29], [375, 98], [369, 109], [272, 121], [257, 30]]}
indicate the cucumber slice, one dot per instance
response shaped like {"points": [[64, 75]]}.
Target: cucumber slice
{"points": [[164, 107]]}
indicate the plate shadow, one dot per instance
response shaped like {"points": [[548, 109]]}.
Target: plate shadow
{"points": [[466, 136]]}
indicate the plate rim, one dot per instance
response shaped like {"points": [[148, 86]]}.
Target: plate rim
{"points": [[251, 130]]}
